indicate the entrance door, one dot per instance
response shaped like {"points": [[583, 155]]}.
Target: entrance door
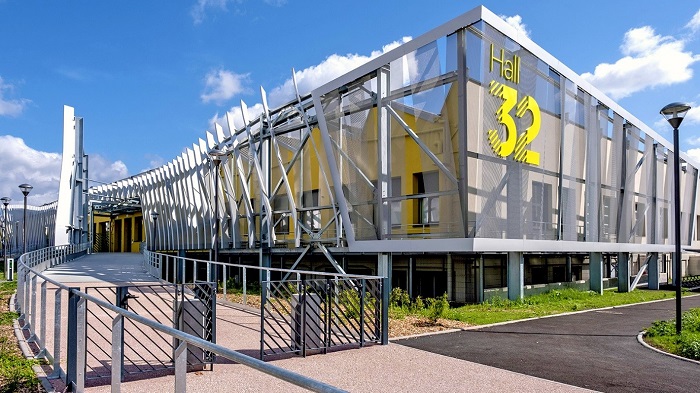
{"points": [[117, 236], [127, 235]]}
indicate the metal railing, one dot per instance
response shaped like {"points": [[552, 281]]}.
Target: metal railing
{"points": [[183, 270], [33, 311]]}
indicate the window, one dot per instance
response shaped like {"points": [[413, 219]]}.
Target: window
{"points": [[606, 217], [429, 205], [639, 219], [396, 205], [568, 214], [664, 221], [311, 218], [138, 229], [541, 206], [280, 215]]}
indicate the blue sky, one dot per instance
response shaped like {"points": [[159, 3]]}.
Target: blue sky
{"points": [[149, 77]]}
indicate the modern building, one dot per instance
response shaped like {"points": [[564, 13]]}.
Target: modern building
{"points": [[468, 161]]}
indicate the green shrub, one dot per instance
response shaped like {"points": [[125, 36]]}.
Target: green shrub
{"points": [[689, 344], [662, 328], [399, 298], [691, 320], [418, 304], [350, 301], [437, 308]]}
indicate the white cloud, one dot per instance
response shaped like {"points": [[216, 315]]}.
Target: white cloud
{"points": [[10, 107], [693, 115], [235, 114], [198, 10], [105, 171], [221, 85], [23, 164], [307, 79], [650, 60], [517, 22], [332, 67], [154, 161], [276, 3], [694, 154], [693, 141], [694, 24]]}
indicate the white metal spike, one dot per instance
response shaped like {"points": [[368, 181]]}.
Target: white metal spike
{"points": [[219, 133], [263, 94], [244, 111], [296, 87], [210, 141]]}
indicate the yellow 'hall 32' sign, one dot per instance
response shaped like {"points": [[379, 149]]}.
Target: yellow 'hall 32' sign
{"points": [[513, 143]]}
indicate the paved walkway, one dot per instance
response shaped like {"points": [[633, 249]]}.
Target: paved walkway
{"points": [[373, 369], [596, 350]]}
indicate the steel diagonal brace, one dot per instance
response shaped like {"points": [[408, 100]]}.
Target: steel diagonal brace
{"points": [[352, 163], [292, 205], [303, 254], [325, 179], [640, 273], [422, 145], [323, 172], [636, 224], [258, 169], [245, 197], [305, 137], [330, 258], [490, 203]]}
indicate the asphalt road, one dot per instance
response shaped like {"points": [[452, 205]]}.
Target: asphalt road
{"points": [[596, 350]]}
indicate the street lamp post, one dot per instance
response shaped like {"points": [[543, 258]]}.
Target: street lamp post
{"points": [[216, 155], [154, 216], [674, 113], [5, 242], [25, 188]]}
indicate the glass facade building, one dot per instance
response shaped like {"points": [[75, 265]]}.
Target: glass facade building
{"points": [[467, 161]]}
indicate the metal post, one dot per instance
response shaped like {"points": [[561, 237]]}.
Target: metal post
{"points": [[386, 285], [117, 352], [5, 243], [72, 347], [32, 309], [677, 224], [24, 228], [57, 336], [181, 367], [41, 339], [81, 316], [674, 114]]}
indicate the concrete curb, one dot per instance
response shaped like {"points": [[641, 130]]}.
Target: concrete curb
{"points": [[27, 352], [476, 327], [640, 339]]}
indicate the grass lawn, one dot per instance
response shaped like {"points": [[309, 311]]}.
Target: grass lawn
{"points": [[550, 303], [662, 335], [16, 374]]}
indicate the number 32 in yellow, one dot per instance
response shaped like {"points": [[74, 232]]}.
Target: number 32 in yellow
{"points": [[513, 143]]}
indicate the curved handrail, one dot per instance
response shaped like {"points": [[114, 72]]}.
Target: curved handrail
{"points": [[35, 262]]}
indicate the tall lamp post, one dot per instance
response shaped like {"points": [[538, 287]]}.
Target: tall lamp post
{"points": [[5, 202], [154, 216], [216, 155], [25, 188], [674, 114]]}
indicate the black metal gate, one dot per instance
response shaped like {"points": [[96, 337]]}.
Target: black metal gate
{"points": [[307, 316], [189, 308]]}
